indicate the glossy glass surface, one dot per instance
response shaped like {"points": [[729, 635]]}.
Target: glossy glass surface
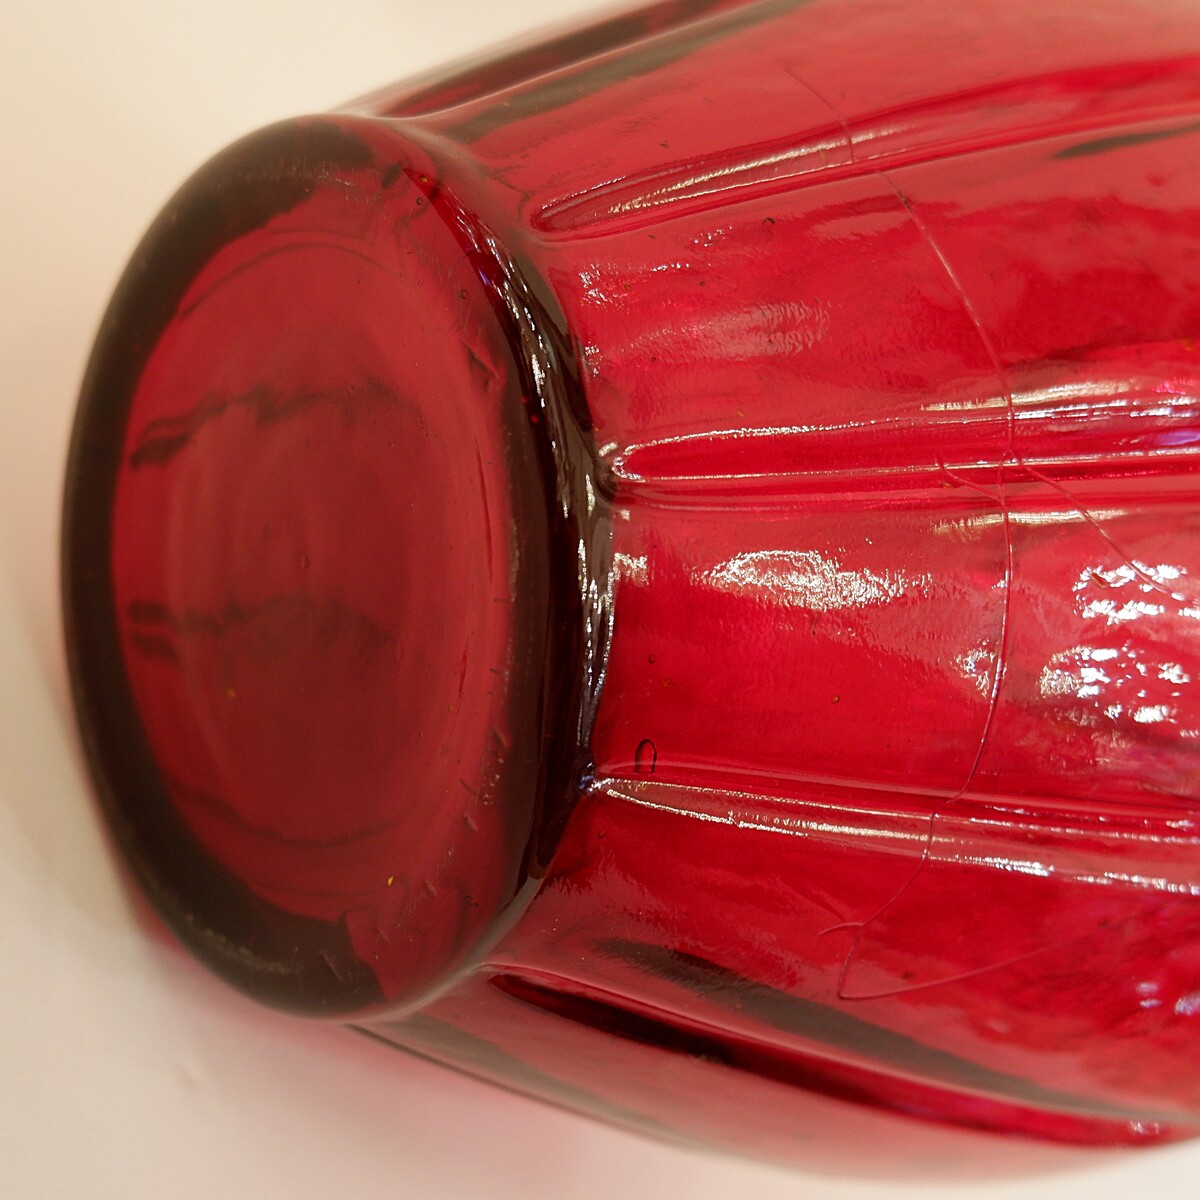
{"points": [[673, 555]]}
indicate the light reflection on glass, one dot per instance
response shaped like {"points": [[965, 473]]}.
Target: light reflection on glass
{"points": [[807, 579], [633, 568]]}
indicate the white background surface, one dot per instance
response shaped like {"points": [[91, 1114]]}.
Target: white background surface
{"points": [[124, 1070]]}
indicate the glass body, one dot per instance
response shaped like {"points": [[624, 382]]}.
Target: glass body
{"points": [[662, 568]]}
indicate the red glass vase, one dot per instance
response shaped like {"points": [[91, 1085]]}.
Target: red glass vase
{"points": [[662, 568]]}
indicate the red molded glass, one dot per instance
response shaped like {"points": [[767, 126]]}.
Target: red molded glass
{"points": [[664, 568]]}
